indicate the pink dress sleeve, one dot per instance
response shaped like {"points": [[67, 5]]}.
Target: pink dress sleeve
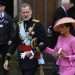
{"points": [[72, 57], [49, 50]]}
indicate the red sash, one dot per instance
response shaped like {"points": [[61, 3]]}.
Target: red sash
{"points": [[24, 48]]}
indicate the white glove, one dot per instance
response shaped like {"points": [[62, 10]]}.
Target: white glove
{"points": [[5, 65], [32, 55], [23, 55], [9, 42], [29, 54]]}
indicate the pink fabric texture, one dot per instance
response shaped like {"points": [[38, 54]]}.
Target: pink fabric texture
{"points": [[66, 64], [63, 70]]}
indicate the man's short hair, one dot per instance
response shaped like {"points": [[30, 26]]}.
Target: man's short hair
{"points": [[23, 5]]}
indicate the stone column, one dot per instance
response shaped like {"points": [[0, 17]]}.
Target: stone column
{"points": [[15, 6]]}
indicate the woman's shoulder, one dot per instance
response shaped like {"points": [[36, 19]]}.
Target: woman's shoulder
{"points": [[60, 37], [72, 39]]}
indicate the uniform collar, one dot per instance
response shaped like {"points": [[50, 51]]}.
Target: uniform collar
{"points": [[2, 14]]}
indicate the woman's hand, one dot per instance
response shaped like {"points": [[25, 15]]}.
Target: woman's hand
{"points": [[61, 54]]}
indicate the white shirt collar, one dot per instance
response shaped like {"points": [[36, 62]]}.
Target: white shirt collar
{"points": [[2, 14], [63, 8]]}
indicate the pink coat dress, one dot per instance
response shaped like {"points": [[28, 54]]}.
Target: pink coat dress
{"points": [[66, 64]]}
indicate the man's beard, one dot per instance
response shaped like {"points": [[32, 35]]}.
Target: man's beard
{"points": [[26, 18]]}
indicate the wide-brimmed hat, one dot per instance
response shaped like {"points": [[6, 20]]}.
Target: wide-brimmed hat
{"points": [[2, 2], [63, 21], [65, 1]]}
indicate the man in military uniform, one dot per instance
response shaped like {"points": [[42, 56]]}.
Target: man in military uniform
{"points": [[6, 36], [30, 40]]}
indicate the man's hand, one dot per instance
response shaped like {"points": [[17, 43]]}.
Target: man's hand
{"points": [[23, 55], [5, 65]]}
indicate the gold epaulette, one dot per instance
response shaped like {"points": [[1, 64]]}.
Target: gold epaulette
{"points": [[19, 22], [35, 20]]}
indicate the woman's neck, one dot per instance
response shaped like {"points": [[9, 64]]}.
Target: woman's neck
{"points": [[66, 34]]}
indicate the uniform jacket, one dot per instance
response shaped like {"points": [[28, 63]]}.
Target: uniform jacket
{"points": [[39, 33], [6, 29]]}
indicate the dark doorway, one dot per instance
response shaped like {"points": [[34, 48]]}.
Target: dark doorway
{"points": [[73, 1], [9, 7]]}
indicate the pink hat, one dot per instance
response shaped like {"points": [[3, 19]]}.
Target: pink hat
{"points": [[62, 21]]}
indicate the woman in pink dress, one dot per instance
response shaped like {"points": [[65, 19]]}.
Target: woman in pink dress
{"points": [[65, 47]]}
